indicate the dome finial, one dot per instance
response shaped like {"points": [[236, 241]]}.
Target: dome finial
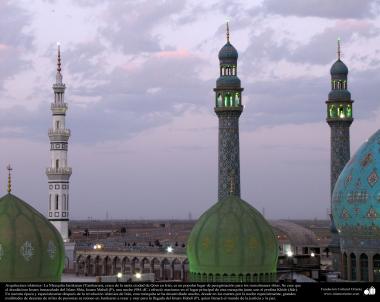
{"points": [[9, 168], [228, 32], [338, 48]]}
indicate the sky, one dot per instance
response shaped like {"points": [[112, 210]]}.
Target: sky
{"points": [[140, 78]]}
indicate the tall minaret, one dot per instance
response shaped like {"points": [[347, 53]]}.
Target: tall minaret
{"points": [[228, 107], [339, 118], [59, 173]]}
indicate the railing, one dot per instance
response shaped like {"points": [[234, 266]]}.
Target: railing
{"points": [[58, 106], [62, 170], [65, 132]]}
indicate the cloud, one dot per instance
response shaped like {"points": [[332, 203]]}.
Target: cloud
{"points": [[340, 9], [13, 40], [130, 24]]}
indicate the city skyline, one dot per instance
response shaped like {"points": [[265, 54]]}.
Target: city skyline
{"points": [[139, 90]]}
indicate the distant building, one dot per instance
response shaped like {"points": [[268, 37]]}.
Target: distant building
{"points": [[232, 241]]}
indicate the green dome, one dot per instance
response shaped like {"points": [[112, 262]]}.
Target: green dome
{"points": [[31, 249], [356, 196], [232, 241]]}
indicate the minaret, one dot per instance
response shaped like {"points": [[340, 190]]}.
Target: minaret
{"points": [[228, 107], [59, 173], [339, 118]]}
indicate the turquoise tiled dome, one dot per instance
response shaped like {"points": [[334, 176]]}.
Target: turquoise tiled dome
{"points": [[356, 196]]}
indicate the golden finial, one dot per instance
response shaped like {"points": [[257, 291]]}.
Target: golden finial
{"points": [[59, 57], [9, 168], [228, 32], [338, 48], [232, 183]]}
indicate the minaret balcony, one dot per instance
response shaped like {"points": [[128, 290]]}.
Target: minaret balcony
{"points": [[59, 171], [59, 134], [58, 108]]}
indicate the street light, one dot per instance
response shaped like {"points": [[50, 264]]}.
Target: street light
{"points": [[169, 249], [289, 253], [138, 275], [312, 254]]}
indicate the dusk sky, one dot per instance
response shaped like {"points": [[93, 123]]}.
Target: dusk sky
{"points": [[139, 78]]}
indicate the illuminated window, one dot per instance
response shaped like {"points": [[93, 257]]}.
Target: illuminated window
{"points": [[237, 99], [349, 111], [332, 111], [219, 100], [341, 112]]}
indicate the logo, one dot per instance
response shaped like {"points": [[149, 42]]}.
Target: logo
{"points": [[370, 291]]}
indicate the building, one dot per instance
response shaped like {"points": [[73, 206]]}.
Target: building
{"points": [[339, 118], [31, 248], [232, 241], [59, 172]]}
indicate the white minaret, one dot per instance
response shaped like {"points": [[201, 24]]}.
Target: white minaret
{"points": [[59, 173]]}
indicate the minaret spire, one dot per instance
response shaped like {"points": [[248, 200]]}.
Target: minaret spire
{"points": [[59, 75], [228, 32], [338, 48], [9, 168]]}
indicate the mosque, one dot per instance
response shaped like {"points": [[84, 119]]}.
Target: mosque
{"points": [[231, 241]]}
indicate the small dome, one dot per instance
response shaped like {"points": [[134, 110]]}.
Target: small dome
{"points": [[232, 238], [31, 249], [228, 54], [228, 81], [356, 196], [339, 94], [339, 68]]}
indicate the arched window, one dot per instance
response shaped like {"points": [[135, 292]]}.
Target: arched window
{"points": [[56, 201], [332, 111], [210, 278], [237, 99], [225, 278], [364, 267], [217, 278], [341, 111], [50, 202], [344, 260], [64, 202], [376, 268], [226, 99], [353, 266], [255, 279], [57, 124], [348, 111], [219, 100], [57, 163], [204, 277], [248, 278]]}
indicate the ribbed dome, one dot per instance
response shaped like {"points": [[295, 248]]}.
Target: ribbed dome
{"points": [[31, 249], [356, 196], [232, 237], [228, 54], [339, 68], [339, 94], [228, 81]]}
